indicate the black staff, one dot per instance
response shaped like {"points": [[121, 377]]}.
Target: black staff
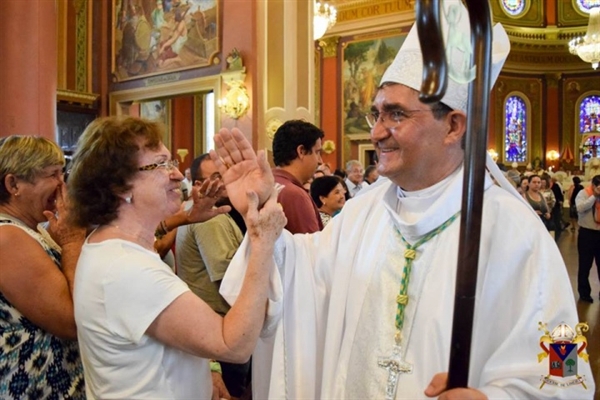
{"points": [[432, 90]]}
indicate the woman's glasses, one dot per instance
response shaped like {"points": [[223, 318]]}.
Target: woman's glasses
{"points": [[169, 165]]}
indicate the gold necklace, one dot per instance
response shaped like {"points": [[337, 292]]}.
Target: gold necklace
{"points": [[149, 245]]}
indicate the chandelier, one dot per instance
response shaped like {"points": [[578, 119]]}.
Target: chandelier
{"points": [[588, 47], [325, 17]]}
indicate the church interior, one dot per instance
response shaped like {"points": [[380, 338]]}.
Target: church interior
{"points": [[202, 65]]}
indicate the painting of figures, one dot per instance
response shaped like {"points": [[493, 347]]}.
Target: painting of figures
{"points": [[363, 64], [158, 110], [157, 36]]}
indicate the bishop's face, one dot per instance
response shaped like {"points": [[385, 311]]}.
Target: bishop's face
{"points": [[411, 148]]}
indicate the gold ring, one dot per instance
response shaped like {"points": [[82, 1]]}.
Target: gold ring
{"points": [[225, 163]]}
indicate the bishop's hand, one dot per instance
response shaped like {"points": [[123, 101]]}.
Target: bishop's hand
{"points": [[437, 387], [242, 169]]}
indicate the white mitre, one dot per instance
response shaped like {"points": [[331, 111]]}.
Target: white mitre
{"points": [[407, 68]]}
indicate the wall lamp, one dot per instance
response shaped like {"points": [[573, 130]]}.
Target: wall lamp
{"points": [[493, 154], [236, 101], [552, 155]]}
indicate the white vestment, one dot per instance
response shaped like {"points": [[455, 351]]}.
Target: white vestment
{"points": [[333, 300]]}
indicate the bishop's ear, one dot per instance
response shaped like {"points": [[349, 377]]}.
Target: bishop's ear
{"points": [[457, 121]]}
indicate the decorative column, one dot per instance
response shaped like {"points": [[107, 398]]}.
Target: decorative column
{"points": [[328, 89], [553, 114], [28, 70], [285, 76]]}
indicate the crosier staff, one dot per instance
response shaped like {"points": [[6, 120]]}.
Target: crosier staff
{"points": [[432, 90]]}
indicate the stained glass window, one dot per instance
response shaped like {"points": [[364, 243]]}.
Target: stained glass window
{"points": [[589, 114], [590, 148], [514, 7], [586, 5], [515, 125], [589, 123]]}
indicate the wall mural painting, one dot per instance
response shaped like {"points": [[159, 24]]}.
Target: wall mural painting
{"points": [[363, 65], [158, 110], [157, 36]]}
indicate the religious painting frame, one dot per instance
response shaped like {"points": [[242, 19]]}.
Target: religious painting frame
{"points": [[363, 61], [366, 154], [152, 37], [158, 110]]}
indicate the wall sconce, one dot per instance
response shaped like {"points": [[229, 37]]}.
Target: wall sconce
{"points": [[494, 154], [552, 155], [236, 101]]}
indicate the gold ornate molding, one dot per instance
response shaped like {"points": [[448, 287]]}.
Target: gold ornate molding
{"points": [[79, 5], [568, 15], [552, 79], [369, 9], [271, 127], [81, 51], [548, 36], [533, 14], [329, 46], [532, 62], [87, 100]]}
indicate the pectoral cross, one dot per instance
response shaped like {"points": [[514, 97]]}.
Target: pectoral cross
{"points": [[395, 366]]}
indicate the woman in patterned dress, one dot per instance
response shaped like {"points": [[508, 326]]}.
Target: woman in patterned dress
{"points": [[39, 357]]}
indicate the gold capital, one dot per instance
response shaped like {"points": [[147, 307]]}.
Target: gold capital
{"points": [[329, 46]]}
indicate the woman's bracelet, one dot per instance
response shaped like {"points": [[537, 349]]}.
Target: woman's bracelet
{"points": [[161, 230]]}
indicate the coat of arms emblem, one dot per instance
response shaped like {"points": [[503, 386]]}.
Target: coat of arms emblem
{"points": [[562, 347]]}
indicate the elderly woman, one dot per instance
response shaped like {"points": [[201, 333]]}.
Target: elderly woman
{"points": [[142, 332], [329, 195], [39, 357]]}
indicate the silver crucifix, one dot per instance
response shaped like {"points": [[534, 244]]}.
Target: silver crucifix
{"points": [[395, 366]]}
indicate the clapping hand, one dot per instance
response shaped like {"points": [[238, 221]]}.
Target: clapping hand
{"points": [[205, 197], [267, 223], [59, 227], [242, 169]]}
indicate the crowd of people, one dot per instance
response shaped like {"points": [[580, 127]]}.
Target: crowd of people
{"points": [[288, 282]]}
